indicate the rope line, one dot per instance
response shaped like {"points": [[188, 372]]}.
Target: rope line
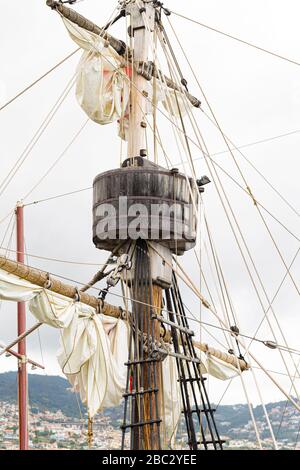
{"points": [[38, 80], [54, 259], [255, 46], [58, 159], [293, 350], [42, 128], [235, 220], [58, 196]]}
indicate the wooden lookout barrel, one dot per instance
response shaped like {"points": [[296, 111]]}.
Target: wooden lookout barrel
{"points": [[144, 200]]}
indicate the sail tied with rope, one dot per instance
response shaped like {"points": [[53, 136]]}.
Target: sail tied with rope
{"points": [[103, 82], [94, 349]]}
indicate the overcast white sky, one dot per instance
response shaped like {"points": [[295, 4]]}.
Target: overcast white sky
{"points": [[255, 96]]}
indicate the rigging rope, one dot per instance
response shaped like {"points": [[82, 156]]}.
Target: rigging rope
{"points": [[54, 259], [206, 153], [252, 165], [224, 328], [82, 127], [8, 178], [38, 80], [51, 198], [29, 147], [247, 186], [255, 46]]}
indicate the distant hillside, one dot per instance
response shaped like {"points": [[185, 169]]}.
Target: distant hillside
{"points": [[54, 393], [51, 393]]}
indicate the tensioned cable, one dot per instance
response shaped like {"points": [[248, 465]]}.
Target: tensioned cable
{"points": [[190, 284], [42, 128], [255, 46], [247, 190], [233, 214], [265, 314], [294, 351], [283, 360], [238, 149], [54, 259], [182, 124], [253, 197], [235, 181], [247, 187], [7, 216], [247, 250], [58, 159], [51, 198], [38, 329], [251, 144], [38, 79], [209, 290], [45, 123], [258, 203], [256, 142], [272, 300], [286, 404], [193, 318], [214, 326], [33, 141]]}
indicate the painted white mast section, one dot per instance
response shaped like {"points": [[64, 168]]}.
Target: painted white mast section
{"points": [[140, 86]]}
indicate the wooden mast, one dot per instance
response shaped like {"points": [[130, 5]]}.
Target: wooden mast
{"points": [[141, 37], [142, 26]]}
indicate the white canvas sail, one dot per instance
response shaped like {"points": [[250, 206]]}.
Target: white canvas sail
{"points": [[94, 350], [103, 83]]}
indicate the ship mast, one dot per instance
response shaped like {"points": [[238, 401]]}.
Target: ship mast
{"points": [[147, 437], [142, 14]]}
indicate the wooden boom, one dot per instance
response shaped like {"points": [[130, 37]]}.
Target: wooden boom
{"points": [[43, 279]]}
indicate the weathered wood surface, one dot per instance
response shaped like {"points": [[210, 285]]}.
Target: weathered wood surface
{"points": [[42, 279], [168, 214]]}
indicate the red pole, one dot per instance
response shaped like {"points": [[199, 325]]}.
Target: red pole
{"points": [[22, 363]]}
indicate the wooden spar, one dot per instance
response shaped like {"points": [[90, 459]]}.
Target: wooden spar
{"points": [[7, 350], [121, 48], [228, 358], [41, 279], [72, 15], [170, 84], [22, 363], [20, 338]]}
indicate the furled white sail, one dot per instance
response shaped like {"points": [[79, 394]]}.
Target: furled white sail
{"points": [[102, 87], [103, 83], [94, 350]]}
